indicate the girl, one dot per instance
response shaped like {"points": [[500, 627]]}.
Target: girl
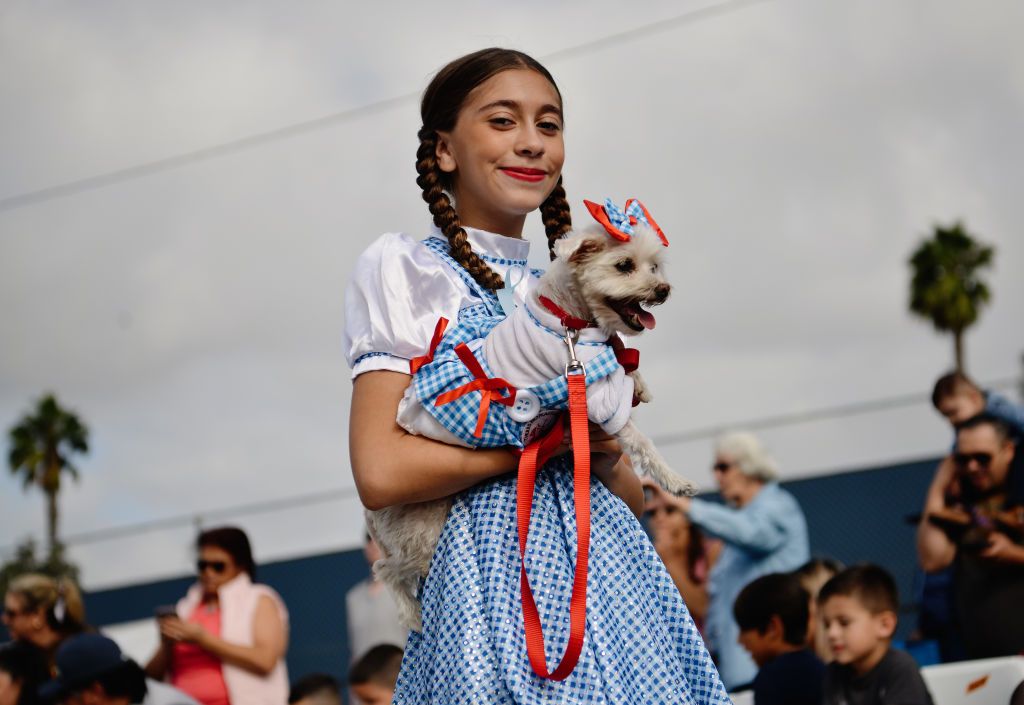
{"points": [[492, 139]]}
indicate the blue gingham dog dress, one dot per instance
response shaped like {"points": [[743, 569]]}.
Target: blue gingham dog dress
{"points": [[641, 646]]}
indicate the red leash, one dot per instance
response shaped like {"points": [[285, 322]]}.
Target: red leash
{"points": [[536, 454]]}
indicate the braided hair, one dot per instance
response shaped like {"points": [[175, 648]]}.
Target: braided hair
{"points": [[439, 110]]}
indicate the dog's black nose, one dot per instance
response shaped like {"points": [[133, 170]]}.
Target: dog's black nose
{"points": [[662, 291]]}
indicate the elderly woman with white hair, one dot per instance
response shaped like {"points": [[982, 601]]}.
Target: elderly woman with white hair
{"points": [[763, 531]]}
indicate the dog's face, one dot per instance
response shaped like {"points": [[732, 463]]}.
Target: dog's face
{"points": [[617, 280]]}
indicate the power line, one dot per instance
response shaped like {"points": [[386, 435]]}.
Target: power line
{"points": [[322, 497], [230, 147], [799, 417]]}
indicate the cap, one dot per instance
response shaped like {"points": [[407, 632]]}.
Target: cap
{"points": [[80, 660]]}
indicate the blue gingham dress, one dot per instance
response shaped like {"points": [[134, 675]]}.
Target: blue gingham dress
{"points": [[641, 646]]}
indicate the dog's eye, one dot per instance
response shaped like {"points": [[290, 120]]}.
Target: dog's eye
{"points": [[625, 266], [654, 267]]}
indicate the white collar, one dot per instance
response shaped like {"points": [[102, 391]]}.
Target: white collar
{"points": [[493, 246]]}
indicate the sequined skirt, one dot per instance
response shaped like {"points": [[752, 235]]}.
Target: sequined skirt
{"points": [[641, 644]]}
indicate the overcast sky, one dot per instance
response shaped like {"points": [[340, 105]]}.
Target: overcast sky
{"points": [[794, 151]]}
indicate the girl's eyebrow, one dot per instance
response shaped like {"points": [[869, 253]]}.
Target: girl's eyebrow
{"points": [[514, 105]]}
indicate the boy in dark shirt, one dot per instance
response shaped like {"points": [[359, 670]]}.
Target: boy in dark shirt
{"points": [[858, 609], [773, 614]]}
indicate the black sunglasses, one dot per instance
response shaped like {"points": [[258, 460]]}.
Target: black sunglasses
{"points": [[12, 613], [721, 467], [215, 566], [963, 459]]}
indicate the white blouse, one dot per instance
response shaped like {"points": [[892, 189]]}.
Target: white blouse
{"points": [[399, 289]]}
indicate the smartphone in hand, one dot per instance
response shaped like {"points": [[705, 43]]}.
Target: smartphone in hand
{"points": [[166, 611]]}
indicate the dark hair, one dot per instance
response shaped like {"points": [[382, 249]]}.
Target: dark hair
{"points": [[869, 584], [127, 680], [776, 594], [233, 541], [315, 684], [378, 665], [818, 565], [439, 110], [26, 664], [986, 419], [950, 384]]}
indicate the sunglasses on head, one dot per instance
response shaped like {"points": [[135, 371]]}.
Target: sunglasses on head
{"points": [[215, 566], [963, 459]]}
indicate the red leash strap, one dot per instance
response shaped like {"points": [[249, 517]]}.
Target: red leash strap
{"points": [[533, 456], [489, 387], [417, 362]]}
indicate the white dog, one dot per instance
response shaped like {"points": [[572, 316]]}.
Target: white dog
{"points": [[595, 278]]}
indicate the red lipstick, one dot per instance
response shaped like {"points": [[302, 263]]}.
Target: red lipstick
{"points": [[525, 173]]}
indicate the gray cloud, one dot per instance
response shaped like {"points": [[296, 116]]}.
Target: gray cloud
{"points": [[795, 152]]}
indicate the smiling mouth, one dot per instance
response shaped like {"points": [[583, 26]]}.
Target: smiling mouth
{"points": [[524, 173], [632, 313]]}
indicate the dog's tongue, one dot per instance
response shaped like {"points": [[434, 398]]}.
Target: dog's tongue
{"points": [[646, 319]]}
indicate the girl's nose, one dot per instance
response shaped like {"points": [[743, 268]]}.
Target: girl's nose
{"points": [[529, 143]]}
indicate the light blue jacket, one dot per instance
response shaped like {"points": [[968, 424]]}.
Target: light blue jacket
{"points": [[769, 535]]}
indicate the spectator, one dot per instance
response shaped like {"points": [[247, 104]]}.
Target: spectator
{"points": [[373, 677], [684, 550], [858, 608], [972, 521], [43, 611], [813, 574], [23, 668], [958, 398], [370, 610], [227, 641], [763, 530], [315, 689], [93, 671], [773, 614]]}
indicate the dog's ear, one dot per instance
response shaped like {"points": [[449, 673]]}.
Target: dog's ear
{"points": [[579, 248]]}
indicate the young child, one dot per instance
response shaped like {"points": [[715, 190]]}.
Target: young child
{"points": [[958, 398], [813, 574], [492, 141], [858, 611], [372, 678], [772, 613]]}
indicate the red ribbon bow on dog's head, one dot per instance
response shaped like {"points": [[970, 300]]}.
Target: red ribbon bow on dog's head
{"points": [[619, 222]]}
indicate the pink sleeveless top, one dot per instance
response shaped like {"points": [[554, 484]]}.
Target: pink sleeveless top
{"points": [[197, 671]]}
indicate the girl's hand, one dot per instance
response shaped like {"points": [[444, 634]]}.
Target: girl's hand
{"points": [[175, 629], [657, 498]]}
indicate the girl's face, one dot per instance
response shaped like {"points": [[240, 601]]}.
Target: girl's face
{"points": [[506, 151]]}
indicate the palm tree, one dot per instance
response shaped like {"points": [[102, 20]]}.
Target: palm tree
{"points": [[946, 287], [41, 446]]}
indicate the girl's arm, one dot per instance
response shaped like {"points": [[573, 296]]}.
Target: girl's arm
{"points": [[615, 471], [391, 466]]}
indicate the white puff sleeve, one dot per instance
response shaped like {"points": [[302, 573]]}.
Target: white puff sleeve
{"points": [[398, 291]]}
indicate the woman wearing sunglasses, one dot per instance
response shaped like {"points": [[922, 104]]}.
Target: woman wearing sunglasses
{"points": [[224, 642]]}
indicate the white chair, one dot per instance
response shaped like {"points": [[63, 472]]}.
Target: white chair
{"points": [[982, 682]]}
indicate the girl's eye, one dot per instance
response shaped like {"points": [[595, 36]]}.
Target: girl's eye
{"points": [[550, 126], [501, 121], [625, 266]]}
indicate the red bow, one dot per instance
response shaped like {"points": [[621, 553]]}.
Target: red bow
{"points": [[417, 362], [619, 223], [489, 388]]}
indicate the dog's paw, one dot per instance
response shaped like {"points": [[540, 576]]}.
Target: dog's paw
{"points": [[640, 389]]}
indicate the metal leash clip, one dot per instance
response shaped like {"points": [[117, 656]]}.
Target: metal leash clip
{"points": [[574, 366]]}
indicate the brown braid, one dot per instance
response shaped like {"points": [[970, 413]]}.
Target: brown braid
{"points": [[430, 179], [555, 213]]}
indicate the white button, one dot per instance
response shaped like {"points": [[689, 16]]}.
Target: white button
{"points": [[526, 406]]}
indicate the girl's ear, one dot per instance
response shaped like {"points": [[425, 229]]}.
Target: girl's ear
{"points": [[445, 158]]}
